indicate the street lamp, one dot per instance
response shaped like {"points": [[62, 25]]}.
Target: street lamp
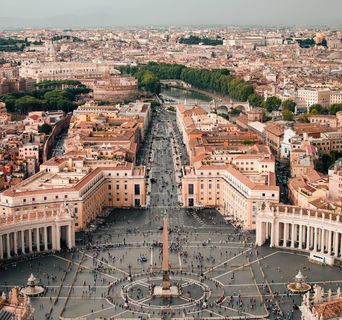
{"points": [[129, 272]]}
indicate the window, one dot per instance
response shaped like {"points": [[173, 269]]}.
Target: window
{"points": [[263, 194], [109, 187], [191, 188], [125, 186], [65, 196], [137, 189]]}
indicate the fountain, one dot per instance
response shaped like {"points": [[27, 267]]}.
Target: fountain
{"points": [[299, 285], [32, 289]]}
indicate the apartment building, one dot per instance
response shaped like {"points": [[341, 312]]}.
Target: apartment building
{"points": [[84, 186], [274, 135], [237, 194], [228, 169], [331, 121], [336, 97], [310, 96], [328, 141]]}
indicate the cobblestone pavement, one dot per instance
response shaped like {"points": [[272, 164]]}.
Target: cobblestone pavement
{"points": [[220, 272]]}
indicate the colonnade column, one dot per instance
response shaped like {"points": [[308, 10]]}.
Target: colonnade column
{"points": [[315, 236], [276, 233], [285, 235], [271, 226], [307, 237], [300, 244], [38, 240], [15, 242], [69, 237], [45, 239], [293, 228], [23, 241], [259, 233], [329, 242], [58, 238], [8, 245], [336, 244], [30, 240], [322, 240]]}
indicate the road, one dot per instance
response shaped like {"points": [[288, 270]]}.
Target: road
{"points": [[59, 148]]}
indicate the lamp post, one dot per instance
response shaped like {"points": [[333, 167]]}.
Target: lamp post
{"points": [[130, 272]]}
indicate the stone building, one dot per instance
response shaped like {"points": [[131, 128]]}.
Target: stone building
{"points": [[115, 88]]}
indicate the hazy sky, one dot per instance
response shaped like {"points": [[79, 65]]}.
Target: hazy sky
{"points": [[94, 13]]}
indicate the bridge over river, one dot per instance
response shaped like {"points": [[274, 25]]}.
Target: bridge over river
{"points": [[180, 91]]}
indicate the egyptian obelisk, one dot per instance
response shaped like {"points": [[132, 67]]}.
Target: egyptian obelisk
{"points": [[165, 265]]}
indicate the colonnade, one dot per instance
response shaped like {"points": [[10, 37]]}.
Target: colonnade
{"points": [[302, 237], [300, 229], [18, 240]]}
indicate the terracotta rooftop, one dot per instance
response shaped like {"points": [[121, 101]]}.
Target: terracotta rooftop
{"points": [[274, 129], [329, 310]]}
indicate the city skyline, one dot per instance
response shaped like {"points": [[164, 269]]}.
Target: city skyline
{"points": [[105, 13], [223, 115]]}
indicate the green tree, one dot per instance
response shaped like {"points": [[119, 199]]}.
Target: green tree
{"points": [[287, 115], [318, 109], [304, 118], [255, 100], [150, 82], [326, 160], [334, 108], [248, 142], [272, 104], [289, 105], [27, 103], [194, 40], [45, 128], [235, 111]]}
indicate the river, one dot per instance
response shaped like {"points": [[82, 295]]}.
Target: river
{"points": [[183, 95]]}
